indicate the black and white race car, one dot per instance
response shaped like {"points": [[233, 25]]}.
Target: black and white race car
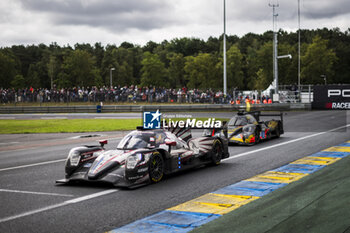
{"points": [[145, 156]]}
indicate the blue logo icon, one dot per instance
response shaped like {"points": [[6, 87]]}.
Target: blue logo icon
{"points": [[151, 120]]}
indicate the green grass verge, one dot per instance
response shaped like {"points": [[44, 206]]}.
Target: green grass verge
{"points": [[71, 125], [66, 125]]}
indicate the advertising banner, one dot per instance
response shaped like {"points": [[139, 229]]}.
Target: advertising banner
{"points": [[331, 97]]}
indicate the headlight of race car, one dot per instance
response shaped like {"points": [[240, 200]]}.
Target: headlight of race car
{"points": [[133, 160], [248, 129], [74, 157]]}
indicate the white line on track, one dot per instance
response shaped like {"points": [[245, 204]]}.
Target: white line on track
{"points": [[32, 165], [54, 118], [110, 118], [87, 197], [36, 193], [6, 143], [7, 118], [73, 201], [284, 143]]}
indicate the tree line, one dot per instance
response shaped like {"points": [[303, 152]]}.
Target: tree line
{"points": [[181, 62]]}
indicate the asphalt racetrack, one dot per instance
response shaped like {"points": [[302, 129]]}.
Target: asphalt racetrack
{"points": [[29, 165]]}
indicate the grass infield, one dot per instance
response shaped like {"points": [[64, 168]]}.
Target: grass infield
{"points": [[66, 125], [71, 125]]}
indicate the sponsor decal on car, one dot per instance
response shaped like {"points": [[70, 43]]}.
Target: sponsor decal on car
{"points": [[134, 177], [142, 170]]}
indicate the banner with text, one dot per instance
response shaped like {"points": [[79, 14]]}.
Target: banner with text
{"points": [[335, 97]]}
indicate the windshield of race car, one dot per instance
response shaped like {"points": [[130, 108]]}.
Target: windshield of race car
{"points": [[135, 140], [238, 121], [242, 120]]}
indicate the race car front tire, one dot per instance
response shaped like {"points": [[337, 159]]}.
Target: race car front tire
{"points": [[156, 167]]}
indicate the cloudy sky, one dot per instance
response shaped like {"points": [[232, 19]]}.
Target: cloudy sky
{"points": [[139, 21]]}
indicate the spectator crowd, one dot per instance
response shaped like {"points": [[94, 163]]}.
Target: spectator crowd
{"points": [[131, 94]]}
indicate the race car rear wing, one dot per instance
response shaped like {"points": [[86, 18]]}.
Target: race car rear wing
{"points": [[271, 115], [183, 133], [258, 114], [186, 134]]}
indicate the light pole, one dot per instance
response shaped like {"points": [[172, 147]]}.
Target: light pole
{"points": [[299, 45], [324, 78], [274, 55], [280, 57], [225, 75], [110, 77]]}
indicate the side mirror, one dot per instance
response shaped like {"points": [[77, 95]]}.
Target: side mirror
{"points": [[152, 142], [103, 142], [170, 143]]}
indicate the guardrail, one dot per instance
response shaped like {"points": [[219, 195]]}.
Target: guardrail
{"points": [[164, 108]]}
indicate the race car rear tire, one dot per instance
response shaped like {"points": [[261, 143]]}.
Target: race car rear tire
{"points": [[257, 136], [156, 167], [277, 132], [216, 153]]}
